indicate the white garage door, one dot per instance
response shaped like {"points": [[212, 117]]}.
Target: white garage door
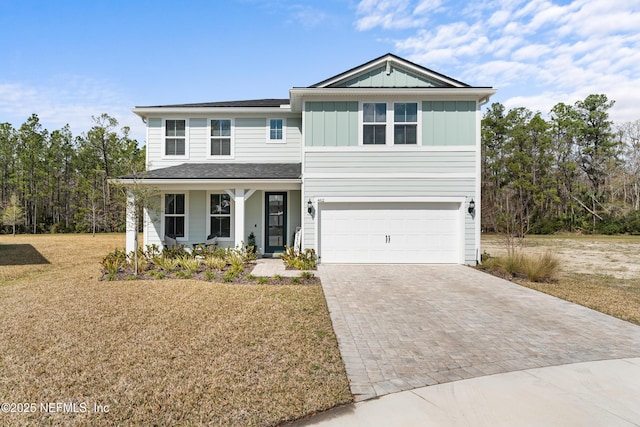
{"points": [[390, 233]]}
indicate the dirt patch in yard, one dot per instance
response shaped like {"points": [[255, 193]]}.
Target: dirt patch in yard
{"points": [[615, 256]]}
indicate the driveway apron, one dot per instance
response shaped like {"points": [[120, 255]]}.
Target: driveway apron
{"points": [[401, 327]]}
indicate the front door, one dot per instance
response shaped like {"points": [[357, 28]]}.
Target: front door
{"points": [[276, 221]]}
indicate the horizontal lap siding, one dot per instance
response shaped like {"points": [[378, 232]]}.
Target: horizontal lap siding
{"points": [[463, 162], [389, 187], [251, 142]]}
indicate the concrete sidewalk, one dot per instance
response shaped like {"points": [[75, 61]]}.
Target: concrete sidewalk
{"points": [[602, 393]]}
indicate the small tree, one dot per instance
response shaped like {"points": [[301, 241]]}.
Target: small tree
{"points": [[13, 213]]}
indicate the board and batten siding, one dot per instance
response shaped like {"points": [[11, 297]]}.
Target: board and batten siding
{"points": [[336, 124], [250, 142], [389, 161], [331, 124], [446, 123], [396, 77]]}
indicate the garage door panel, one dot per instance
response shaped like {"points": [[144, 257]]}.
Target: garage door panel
{"points": [[390, 233]]}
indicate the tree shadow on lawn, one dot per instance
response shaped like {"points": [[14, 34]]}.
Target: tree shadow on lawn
{"points": [[23, 254]]}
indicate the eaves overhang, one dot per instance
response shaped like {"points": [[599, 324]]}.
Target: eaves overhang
{"points": [[299, 95], [146, 112]]}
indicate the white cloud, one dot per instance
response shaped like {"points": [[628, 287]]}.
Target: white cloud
{"points": [[68, 100], [393, 14], [536, 53]]}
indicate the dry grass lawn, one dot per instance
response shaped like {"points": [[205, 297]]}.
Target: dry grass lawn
{"points": [[166, 352], [599, 272]]}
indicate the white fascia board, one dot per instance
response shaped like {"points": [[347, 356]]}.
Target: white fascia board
{"points": [[423, 94], [208, 183], [391, 61], [146, 112]]}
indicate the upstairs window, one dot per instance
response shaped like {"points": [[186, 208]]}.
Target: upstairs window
{"points": [[405, 117], [374, 123], [276, 130], [174, 215], [220, 137], [175, 137]]}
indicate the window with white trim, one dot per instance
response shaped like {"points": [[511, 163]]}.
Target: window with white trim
{"points": [[220, 215], [174, 215], [374, 121], [220, 138], [390, 123], [175, 137], [405, 128], [276, 131]]}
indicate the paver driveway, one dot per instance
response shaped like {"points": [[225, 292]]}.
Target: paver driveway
{"points": [[405, 326]]}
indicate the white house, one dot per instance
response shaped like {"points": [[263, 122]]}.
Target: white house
{"points": [[379, 164]]}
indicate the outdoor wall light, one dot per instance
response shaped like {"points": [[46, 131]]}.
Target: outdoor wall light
{"points": [[309, 207], [472, 207]]}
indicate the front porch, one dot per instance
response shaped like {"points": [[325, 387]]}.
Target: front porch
{"points": [[194, 202]]}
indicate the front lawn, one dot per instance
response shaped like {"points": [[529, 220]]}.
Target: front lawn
{"points": [[163, 352]]}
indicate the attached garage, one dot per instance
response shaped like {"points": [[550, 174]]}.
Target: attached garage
{"points": [[391, 232]]}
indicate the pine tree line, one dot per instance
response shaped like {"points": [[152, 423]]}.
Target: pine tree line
{"points": [[575, 171], [60, 183]]}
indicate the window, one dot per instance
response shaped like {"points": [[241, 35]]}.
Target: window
{"points": [[220, 137], [174, 215], [276, 130], [174, 142], [374, 123], [405, 130], [390, 123], [220, 215]]}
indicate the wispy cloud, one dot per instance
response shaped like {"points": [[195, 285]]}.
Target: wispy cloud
{"points": [[394, 14], [69, 100], [536, 53]]}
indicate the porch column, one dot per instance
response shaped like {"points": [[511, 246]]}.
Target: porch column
{"points": [[239, 216], [131, 224]]}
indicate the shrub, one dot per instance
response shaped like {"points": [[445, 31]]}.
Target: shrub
{"points": [[209, 275], [176, 252], [215, 262], [541, 268], [157, 274], [535, 268], [303, 260], [263, 280], [166, 263], [189, 264], [307, 275], [114, 261]]}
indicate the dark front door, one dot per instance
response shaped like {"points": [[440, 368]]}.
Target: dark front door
{"points": [[276, 221]]}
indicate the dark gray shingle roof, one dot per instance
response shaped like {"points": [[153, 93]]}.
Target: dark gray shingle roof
{"points": [[228, 104], [239, 171]]}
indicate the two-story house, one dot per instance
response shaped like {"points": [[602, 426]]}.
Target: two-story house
{"points": [[379, 164]]}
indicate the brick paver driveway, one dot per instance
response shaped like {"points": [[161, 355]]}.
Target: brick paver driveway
{"points": [[405, 326]]}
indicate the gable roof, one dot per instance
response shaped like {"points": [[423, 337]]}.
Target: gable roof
{"points": [[387, 65]]}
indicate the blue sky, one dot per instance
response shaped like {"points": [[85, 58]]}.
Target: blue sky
{"points": [[68, 60]]}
